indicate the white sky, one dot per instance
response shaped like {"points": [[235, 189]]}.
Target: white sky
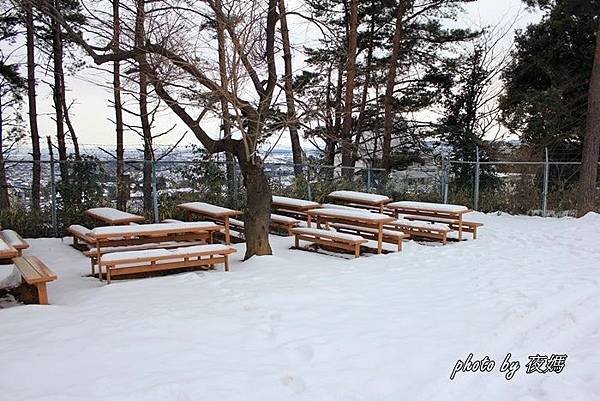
{"points": [[91, 113]]}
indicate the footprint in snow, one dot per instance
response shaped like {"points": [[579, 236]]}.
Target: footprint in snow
{"points": [[296, 384]]}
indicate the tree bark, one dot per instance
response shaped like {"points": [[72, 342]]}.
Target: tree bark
{"points": [[58, 95], [32, 103], [346, 134], [140, 34], [4, 198], [122, 185], [258, 209], [292, 118], [388, 100], [591, 142]]}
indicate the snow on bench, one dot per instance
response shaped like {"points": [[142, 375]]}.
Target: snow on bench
{"points": [[144, 261], [423, 229], [80, 233], [12, 238], [208, 209], [7, 251], [329, 238], [390, 236], [171, 221], [277, 220]]}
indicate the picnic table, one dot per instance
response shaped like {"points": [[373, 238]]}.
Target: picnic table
{"points": [[130, 235], [214, 212], [435, 211], [113, 216], [293, 206], [360, 199], [352, 217]]}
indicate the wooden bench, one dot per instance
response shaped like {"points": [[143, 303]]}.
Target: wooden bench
{"points": [[14, 240], [35, 273], [146, 261], [329, 238], [422, 229], [467, 226], [292, 207], [391, 236]]}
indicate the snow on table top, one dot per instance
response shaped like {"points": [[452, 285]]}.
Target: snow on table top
{"points": [[151, 228], [357, 214], [4, 247], [111, 214], [293, 202], [13, 239], [209, 209], [276, 327], [359, 197], [283, 219], [438, 207]]}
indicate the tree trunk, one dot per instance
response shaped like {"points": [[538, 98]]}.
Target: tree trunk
{"points": [[58, 94], [69, 124], [4, 198], [346, 134], [229, 159], [292, 118], [32, 103], [140, 34], [388, 100], [258, 209], [122, 185], [591, 143]]}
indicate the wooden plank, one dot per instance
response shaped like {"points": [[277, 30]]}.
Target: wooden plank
{"points": [[28, 271], [42, 269]]}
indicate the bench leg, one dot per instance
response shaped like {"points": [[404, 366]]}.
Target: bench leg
{"points": [[356, 250], [42, 293], [226, 263], [296, 242], [474, 232], [108, 274]]}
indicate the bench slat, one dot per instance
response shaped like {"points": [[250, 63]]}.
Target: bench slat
{"points": [[42, 269]]}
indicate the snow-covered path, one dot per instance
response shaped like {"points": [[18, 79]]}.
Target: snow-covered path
{"points": [[306, 326]]}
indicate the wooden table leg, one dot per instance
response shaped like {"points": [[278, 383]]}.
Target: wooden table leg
{"points": [[42, 293], [227, 230], [308, 219], [460, 227], [380, 238]]}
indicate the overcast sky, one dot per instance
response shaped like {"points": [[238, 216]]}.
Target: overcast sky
{"points": [[91, 113]]}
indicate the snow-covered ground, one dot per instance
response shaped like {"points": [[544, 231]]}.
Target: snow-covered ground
{"points": [[307, 326]]}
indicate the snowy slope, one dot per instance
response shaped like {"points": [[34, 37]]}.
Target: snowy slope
{"points": [[306, 326]]}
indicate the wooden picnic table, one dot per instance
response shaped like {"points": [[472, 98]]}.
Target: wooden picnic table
{"points": [[113, 216], [292, 206], [130, 235], [214, 212], [352, 217], [442, 211], [360, 199]]}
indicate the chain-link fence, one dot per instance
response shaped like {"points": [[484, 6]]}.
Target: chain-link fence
{"points": [[154, 189]]}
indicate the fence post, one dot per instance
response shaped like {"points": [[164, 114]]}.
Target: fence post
{"points": [[53, 189], [445, 178], [476, 187], [308, 188], [545, 191], [236, 190], [154, 193]]}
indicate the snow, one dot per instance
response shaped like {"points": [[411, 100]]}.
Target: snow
{"points": [[306, 326], [13, 239], [146, 228], [438, 207], [283, 219], [420, 224], [162, 253], [330, 233], [350, 214], [293, 202], [111, 214], [387, 232], [208, 209], [359, 197], [79, 229], [4, 246]]}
